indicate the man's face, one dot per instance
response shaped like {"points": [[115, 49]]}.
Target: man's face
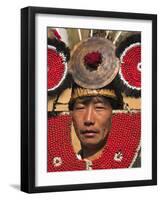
{"points": [[92, 120]]}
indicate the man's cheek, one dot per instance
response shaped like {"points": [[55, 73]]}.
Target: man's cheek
{"points": [[107, 126], [77, 126]]}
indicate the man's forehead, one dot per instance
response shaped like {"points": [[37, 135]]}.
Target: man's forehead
{"points": [[92, 99]]}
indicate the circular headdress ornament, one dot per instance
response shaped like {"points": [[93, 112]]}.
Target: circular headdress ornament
{"points": [[57, 68], [57, 57], [93, 63], [129, 52]]}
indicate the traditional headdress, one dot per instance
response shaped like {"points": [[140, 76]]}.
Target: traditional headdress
{"points": [[94, 67]]}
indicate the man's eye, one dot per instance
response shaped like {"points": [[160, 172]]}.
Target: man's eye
{"points": [[100, 107], [79, 107]]}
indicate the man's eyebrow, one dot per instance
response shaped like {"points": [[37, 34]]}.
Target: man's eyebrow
{"points": [[102, 101], [98, 101], [81, 101]]}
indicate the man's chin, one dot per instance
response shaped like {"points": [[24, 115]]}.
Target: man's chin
{"points": [[93, 143], [90, 144]]}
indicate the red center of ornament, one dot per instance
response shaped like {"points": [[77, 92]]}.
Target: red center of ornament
{"points": [[93, 59]]}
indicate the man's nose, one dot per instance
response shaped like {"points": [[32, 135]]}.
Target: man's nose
{"points": [[89, 116]]}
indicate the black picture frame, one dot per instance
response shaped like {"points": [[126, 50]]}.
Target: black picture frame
{"points": [[28, 93]]}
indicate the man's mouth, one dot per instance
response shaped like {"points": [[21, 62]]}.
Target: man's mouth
{"points": [[89, 133]]}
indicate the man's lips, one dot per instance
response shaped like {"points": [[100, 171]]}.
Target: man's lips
{"points": [[89, 133]]}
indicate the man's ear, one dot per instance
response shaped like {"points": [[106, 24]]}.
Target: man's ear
{"points": [[110, 125], [70, 112]]}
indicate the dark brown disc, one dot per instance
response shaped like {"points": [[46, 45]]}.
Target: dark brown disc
{"points": [[102, 72]]}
